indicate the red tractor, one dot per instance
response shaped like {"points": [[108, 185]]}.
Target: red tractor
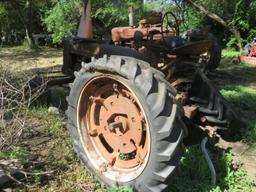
{"points": [[136, 100], [249, 53]]}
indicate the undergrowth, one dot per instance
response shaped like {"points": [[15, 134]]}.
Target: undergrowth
{"points": [[244, 98], [194, 174]]}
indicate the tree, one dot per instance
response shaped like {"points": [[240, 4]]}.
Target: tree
{"points": [[23, 17], [239, 18], [63, 18], [24, 14], [218, 19]]}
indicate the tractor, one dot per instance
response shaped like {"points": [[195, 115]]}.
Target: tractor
{"points": [[136, 100]]}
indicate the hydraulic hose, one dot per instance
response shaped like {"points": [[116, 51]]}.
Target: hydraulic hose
{"points": [[208, 160]]}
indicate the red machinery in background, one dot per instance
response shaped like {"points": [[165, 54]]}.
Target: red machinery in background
{"points": [[249, 53]]}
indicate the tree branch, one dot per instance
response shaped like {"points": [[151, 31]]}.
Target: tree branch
{"points": [[219, 20]]}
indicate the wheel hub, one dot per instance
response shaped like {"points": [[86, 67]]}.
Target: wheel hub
{"points": [[116, 125]]}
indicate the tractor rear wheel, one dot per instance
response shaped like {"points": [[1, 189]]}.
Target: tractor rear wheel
{"points": [[125, 124]]}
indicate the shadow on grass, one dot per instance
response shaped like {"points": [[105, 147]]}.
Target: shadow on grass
{"points": [[244, 98], [21, 54], [235, 74], [237, 82]]}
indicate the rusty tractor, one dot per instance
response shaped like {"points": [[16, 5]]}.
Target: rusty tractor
{"points": [[135, 100]]}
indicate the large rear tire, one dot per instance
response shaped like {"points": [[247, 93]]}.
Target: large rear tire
{"points": [[120, 92]]}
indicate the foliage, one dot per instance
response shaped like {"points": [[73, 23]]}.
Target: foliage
{"points": [[194, 174], [121, 189], [115, 13], [9, 27], [14, 152], [244, 98], [233, 12], [62, 19], [238, 87]]}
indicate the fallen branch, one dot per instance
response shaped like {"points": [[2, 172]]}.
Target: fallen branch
{"points": [[16, 96], [13, 167]]}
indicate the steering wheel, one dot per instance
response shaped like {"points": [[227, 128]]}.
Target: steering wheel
{"points": [[166, 24]]}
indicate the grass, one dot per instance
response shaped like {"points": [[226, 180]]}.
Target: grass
{"points": [[48, 142], [238, 85], [15, 152], [194, 174], [244, 98], [54, 153], [54, 122]]}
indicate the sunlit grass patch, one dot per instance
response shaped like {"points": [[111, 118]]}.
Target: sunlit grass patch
{"points": [[230, 53]]}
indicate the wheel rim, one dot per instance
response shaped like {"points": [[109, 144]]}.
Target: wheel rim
{"points": [[114, 128]]}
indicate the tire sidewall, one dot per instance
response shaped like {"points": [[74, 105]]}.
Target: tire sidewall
{"points": [[146, 174]]}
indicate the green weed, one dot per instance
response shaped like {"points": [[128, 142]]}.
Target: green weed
{"points": [[120, 189], [15, 152], [194, 174], [54, 122]]}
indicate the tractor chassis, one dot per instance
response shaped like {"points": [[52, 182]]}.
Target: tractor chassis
{"points": [[206, 111]]}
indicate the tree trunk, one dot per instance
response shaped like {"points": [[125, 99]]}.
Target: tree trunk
{"points": [[26, 20], [142, 5], [28, 25], [219, 20]]}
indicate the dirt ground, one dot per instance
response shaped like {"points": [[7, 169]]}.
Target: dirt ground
{"points": [[51, 149], [24, 59]]}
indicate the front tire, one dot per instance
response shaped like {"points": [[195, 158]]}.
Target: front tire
{"points": [[144, 91]]}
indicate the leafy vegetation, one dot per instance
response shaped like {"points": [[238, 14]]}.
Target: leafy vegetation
{"points": [[15, 152], [60, 18], [47, 141], [244, 98], [238, 86], [56, 152], [194, 174], [233, 13]]}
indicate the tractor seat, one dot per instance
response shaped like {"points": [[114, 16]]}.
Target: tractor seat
{"points": [[173, 42]]}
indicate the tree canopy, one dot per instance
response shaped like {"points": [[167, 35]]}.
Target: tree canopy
{"points": [[60, 18]]}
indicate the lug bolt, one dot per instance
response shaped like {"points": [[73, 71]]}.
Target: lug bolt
{"points": [[93, 133], [112, 162]]}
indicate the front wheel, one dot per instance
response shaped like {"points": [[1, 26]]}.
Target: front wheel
{"points": [[125, 125]]}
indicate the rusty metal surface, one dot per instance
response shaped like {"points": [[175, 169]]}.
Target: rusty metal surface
{"points": [[247, 59], [85, 26], [193, 48], [115, 123], [190, 111], [127, 33]]}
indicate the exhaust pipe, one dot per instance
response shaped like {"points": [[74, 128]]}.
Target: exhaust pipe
{"points": [[85, 26]]}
